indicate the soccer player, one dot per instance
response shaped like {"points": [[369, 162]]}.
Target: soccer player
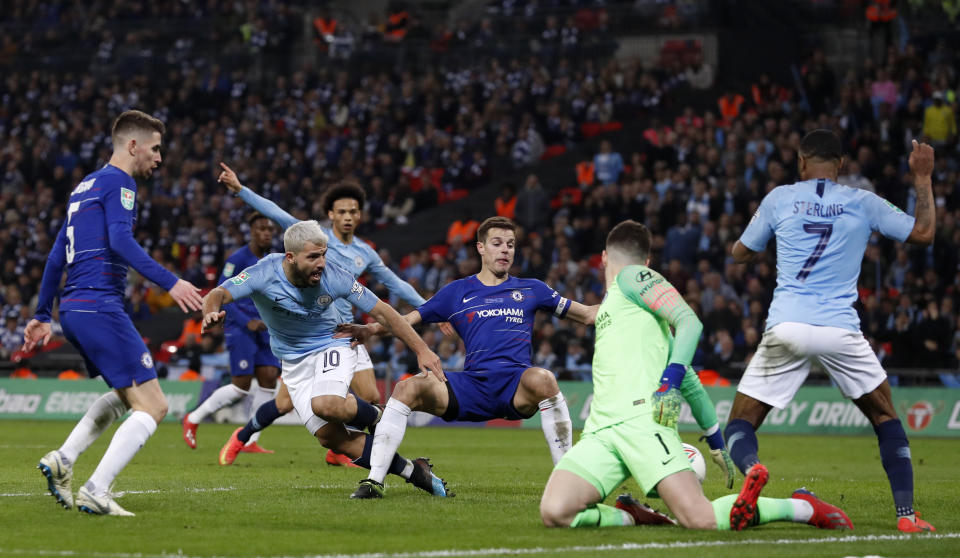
{"points": [[96, 245], [296, 295], [493, 313], [247, 341], [635, 356], [822, 229], [343, 205]]}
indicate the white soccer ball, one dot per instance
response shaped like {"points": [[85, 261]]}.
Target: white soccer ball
{"points": [[697, 462]]}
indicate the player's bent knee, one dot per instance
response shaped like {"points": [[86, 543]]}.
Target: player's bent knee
{"points": [[554, 515], [540, 382], [408, 391], [331, 408], [284, 405]]}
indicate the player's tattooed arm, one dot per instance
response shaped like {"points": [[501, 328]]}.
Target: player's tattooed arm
{"points": [[212, 304], [925, 213]]}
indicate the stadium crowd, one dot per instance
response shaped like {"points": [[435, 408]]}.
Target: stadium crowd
{"points": [[694, 179]]}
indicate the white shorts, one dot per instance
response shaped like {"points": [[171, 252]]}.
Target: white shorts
{"points": [[787, 350], [363, 359], [326, 372]]}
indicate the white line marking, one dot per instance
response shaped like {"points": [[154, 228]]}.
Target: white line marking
{"points": [[521, 551], [125, 492]]}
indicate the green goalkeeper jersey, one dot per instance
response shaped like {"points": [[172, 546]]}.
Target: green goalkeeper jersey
{"points": [[634, 344]]}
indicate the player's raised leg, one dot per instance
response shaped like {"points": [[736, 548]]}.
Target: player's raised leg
{"points": [[538, 390], [57, 465]]}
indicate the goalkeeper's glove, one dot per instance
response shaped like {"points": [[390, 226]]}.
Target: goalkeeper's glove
{"points": [[667, 400], [720, 456]]}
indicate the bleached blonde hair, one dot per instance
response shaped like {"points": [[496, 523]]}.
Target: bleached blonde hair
{"points": [[299, 234]]}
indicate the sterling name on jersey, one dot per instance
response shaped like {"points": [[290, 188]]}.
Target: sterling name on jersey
{"points": [[822, 229], [96, 245], [495, 323], [300, 321]]}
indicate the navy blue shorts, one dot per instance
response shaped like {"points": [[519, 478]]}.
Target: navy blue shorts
{"points": [[482, 396], [247, 350], [110, 346]]}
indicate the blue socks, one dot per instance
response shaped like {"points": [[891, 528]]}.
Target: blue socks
{"points": [[366, 415], [895, 456], [396, 466], [742, 444], [264, 417]]}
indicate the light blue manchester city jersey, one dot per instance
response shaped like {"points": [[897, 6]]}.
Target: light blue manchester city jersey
{"points": [[300, 321], [822, 229]]}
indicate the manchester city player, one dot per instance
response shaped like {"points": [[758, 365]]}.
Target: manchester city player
{"points": [[493, 313], [822, 229], [343, 205], [96, 245], [247, 342], [295, 294]]}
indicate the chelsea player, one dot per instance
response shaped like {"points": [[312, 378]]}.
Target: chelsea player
{"points": [[247, 341], [296, 294], [96, 245], [822, 229]]}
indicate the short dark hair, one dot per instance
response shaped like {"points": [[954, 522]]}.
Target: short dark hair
{"points": [[341, 191], [631, 239], [821, 144], [255, 216], [494, 223], [136, 121]]}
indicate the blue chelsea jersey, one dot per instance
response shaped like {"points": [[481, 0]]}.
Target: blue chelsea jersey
{"points": [[495, 323]]}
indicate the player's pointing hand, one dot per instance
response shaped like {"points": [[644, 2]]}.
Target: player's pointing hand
{"points": [[229, 179], [186, 296]]}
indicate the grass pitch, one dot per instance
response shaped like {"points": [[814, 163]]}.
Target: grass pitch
{"points": [[292, 504]]}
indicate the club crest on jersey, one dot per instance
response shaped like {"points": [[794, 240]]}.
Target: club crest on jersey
{"points": [[240, 279], [358, 261], [146, 360], [516, 295], [127, 197], [324, 300]]}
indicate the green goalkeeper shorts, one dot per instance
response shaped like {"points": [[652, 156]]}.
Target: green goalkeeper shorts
{"points": [[638, 448]]}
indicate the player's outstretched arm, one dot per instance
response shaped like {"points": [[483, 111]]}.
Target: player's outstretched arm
{"points": [[586, 315], [269, 209], [212, 304], [401, 327], [925, 213]]}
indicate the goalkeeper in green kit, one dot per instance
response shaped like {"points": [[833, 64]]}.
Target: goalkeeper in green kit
{"points": [[641, 374]]}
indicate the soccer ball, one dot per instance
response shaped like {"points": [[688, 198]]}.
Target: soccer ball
{"points": [[696, 461]]}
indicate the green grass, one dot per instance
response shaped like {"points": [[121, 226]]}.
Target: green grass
{"points": [[293, 504]]}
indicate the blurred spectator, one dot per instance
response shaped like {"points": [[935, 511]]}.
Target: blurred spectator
{"points": [[533, 205], [939, 122], [607, 164]]}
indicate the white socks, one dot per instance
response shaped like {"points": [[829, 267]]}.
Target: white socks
{"points": [[387, 439], [225, 395], [802, 510], [556, 425], [259, 396], [106, 409], [127, 441]]}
